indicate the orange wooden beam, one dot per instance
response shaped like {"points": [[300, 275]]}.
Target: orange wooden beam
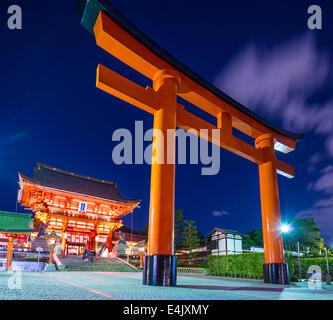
{"points": [[186, 120], [124, 89], [112, 38], [145, 99], [284, 169]]}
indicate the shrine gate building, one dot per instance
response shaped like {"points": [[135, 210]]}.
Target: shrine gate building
{"points": [[83, 211]]}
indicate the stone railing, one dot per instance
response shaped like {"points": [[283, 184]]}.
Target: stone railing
{"points": [[27, 266], [125, 262], [58, 263]]}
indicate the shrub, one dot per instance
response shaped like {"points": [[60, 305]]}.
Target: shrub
{"points": [[250, 265], [247, 265], [306, 263]]}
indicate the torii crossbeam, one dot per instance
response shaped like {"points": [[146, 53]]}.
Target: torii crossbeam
{"points": [[115, 34]]}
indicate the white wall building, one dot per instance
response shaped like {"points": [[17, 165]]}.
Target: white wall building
{"points": [[261, 250], [223, 242]]}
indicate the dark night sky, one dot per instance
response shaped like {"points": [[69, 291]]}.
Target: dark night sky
{"points": [[260, 52]]}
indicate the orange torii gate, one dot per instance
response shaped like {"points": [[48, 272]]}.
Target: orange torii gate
{"points": [[115, 34]]}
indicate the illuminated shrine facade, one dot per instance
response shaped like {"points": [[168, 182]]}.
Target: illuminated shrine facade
{"points": [[83, 211]]}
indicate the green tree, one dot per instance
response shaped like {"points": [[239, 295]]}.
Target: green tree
{"points": [[306, 231], [202, 238], [179, 229], [144, 230], [191, 239], [254, 238]]}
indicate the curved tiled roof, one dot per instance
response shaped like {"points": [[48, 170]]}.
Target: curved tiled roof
{"points": [[88, 12], [15, 222], [55, 178]]}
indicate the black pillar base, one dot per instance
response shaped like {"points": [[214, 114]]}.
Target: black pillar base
{"points": [[276, 273], [160, 270]]}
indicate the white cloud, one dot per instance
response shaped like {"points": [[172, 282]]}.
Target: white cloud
{"points": [[219, 213], [279, 82]]}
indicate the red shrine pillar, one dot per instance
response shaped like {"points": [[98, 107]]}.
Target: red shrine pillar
{"points": [[90, 242], [160, 265], [275, 268], [10, 252], [110, 243], [96, 244]]}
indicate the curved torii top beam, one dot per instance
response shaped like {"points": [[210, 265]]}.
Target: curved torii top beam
{"points": [[117, 35]]}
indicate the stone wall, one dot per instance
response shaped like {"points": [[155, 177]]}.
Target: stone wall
{"points": [[24, 266]]}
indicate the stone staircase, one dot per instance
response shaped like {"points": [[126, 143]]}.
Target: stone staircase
{"points": [[40, 242], [76, 263]]}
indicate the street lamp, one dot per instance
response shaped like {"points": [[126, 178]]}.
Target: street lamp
{"points": [[328, 274], [128, 252], [285, 228], [52, 241], [141, 251]]}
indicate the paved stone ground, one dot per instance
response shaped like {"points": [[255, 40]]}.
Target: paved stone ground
{"points": [[128, 286]]}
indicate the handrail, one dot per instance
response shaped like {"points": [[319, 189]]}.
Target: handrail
{"points": [[123, 261], [57, 262]]}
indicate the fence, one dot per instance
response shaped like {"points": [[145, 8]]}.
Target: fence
{"points": [[202, 271]]}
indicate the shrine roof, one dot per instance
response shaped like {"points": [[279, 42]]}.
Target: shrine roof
{"points": [[88, 13], [129, 237], [15, 222], [226, 231], [54, 178]]}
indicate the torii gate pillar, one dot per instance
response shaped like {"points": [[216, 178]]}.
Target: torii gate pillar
{"points": [[275, 269], [115, 34], [159, 267]]}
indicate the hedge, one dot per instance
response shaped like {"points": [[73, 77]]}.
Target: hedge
{"points": [[305, 264], [247, 265], [250, 265]]}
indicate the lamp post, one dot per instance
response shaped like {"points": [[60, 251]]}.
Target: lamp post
{"points": [[299, 262], [328, 275], [128, 251], [286, 228], [52, 240], [141, 251], [39, 250]]}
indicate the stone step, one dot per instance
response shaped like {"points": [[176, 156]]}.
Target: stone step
{"points": [[76, 263], [40, 243]]}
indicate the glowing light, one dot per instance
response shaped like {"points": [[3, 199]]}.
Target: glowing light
{"points": [[285, 228]]}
